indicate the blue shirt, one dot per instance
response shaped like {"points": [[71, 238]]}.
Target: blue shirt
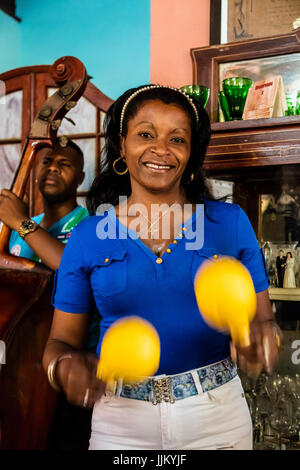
{"points": [[123, 277], [60, 230]]}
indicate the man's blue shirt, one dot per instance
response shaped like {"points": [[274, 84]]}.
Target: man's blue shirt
{"points": [[123, 277], [60, 230]]}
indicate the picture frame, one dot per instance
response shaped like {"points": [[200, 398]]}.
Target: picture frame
{"points": [[239, 20], [286, 291], [215, 22], [276, 256], [279, 209]]}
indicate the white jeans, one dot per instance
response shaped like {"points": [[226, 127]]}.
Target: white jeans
{"points": [[218, 419]]}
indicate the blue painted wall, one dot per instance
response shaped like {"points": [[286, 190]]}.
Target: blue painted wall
{"points": [[9, 43], [111, 37]]}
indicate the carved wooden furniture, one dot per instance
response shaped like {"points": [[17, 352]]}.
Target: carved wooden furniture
{"points": [[253, 152], [258, 156]]}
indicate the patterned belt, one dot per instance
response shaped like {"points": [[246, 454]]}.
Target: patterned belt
{"points": [[177, 387]]}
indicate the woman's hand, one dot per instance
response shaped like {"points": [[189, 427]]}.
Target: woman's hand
{"points": [[77, 377], [263, 353]]}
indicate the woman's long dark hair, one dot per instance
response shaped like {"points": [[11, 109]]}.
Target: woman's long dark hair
{"points": [[108, 186]]}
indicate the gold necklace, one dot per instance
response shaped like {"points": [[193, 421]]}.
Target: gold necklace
{"points": [[153, 234], [157, 248]]}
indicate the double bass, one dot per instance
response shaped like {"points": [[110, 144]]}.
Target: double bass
{"points": [[27, 402]]}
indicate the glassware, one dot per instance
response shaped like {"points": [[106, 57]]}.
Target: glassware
{"points": [[274, 405], [199, 92], [290, 111], [236, 91], [281, 419], [294, 430], [298, 103]]}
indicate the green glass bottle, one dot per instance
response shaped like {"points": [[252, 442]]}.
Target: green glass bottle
{"points": [[290, 105], [298, 103]]}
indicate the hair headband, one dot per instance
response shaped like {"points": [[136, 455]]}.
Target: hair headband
{"points": [[150, 87]]}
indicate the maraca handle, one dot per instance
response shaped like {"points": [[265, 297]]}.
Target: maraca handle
{"points": [[111, 383], [240, 334], [99, 370]]}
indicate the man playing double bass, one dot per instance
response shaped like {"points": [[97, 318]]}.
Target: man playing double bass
{"points": [[59, 172]]}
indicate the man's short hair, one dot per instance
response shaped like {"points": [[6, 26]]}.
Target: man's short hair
{"points": [[75, 147], [71, 144]]}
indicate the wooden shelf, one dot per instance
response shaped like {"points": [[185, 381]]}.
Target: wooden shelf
{"points": [[253, 143], [277, 293], [255, 123]]}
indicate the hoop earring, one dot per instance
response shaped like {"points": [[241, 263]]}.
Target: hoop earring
{"points": [[114, 167], [185, 183]]}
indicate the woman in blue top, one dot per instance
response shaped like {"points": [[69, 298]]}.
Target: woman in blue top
{"points": [[139, 256]]}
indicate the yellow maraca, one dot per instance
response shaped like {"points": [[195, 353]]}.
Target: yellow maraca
{"points": [[130, 350], [226, 297]]}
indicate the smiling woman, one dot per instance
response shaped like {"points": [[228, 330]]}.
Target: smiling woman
{"points": [[184, 133], [157, 148], [195, 399]]}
